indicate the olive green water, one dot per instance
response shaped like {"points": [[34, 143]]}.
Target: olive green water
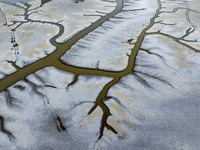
{"points": [[54, 60], [61, 48]]}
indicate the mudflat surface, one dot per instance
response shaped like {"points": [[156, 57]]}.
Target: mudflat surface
{"points": [[92, 75]]}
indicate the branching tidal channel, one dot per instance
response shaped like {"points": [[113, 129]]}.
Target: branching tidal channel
{"points": [[53, 59]]}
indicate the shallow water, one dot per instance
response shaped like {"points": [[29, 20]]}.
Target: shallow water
{"points": [[151, 102]]}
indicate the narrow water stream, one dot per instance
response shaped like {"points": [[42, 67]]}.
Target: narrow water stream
{"points": [[62, 48], [53, 59], [44, 1]]}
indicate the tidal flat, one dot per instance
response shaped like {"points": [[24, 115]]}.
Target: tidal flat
{"points": [[99, 75]]}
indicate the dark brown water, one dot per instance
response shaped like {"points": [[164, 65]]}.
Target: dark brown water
{"points": [[44, 1]]}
